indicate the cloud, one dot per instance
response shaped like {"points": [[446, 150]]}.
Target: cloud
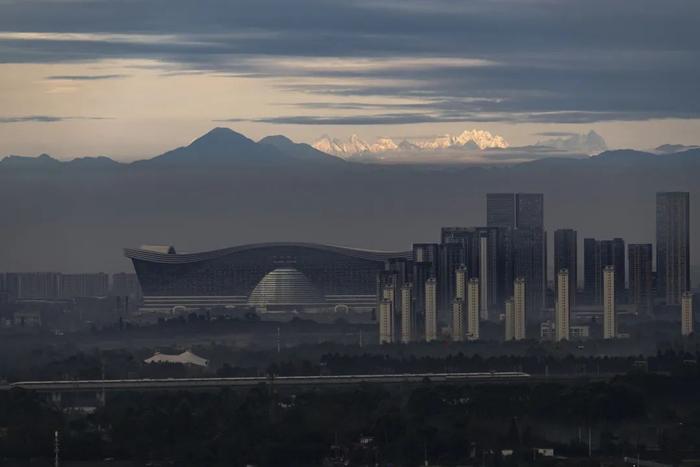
{"points": [[385, 119], [45, 119], [556, 134], [84, 77], [476, 117], [567, 62]]}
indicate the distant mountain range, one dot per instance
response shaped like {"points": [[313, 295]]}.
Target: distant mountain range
{"points": [[673, 148], [223, 147], [224, 189], [218, 147], [590, 143], [456, 147], [355, 146]]}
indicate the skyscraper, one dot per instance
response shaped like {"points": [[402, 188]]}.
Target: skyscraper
{"points": [[489, 259], [609, 318], [386, 320], [672, 245], [451, 257], [596, 255], [520, 216], [389, 293], [485, 282], [422, 271], [388, 288], [458, 320], [426, 252], [500, 210], [640, 276], [430, 309], [529, 263], [407, 317], [461, 282], [529, 210], [510, 320], [687, 318], [473, 312], [612, 253], [591, 266], [485, 253], [565, 257], [519, 306], [515, 210], [531, 247], [562, 306]]}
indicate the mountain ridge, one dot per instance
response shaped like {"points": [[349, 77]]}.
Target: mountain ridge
{"points": [[588, 143], [355, 146], [225, 147]]}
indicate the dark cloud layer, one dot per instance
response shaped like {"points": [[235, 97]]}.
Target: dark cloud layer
{"points": [[574, 61], [556, 134], [84, 77], [31, 118], [45, 119]]}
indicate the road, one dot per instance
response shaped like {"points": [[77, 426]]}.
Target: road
{"points": [[247, 382], [72, 386]]}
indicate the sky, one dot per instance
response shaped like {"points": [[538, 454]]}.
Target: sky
{"points": [[133, 78]]}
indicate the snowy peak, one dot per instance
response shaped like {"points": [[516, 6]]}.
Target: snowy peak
{"points": [[341, 148], [383, 145], [483, 139], [469, 139], [587, 143]]}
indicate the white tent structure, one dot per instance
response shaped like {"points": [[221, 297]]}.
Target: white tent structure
{"points": [[185, 358]]}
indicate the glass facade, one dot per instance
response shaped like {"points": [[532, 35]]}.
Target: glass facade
{"points": [[236, 272]]}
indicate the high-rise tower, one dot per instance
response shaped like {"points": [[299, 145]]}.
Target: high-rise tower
{"points": [[565, 257], [510, 320], [407, 316], [473, 309], [687, 318], [521, 218], [430, 309], [519, 308], [596, 255], [639, 257], [386, 321], [562, 307], [458, 320], [461, 282], [500, 210], [609, 318], [672, 245]]}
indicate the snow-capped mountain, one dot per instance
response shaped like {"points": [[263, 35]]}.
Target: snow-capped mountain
{"points": [[469, 139], [480, 138], [341, 148], [383, 145], [590, 143]]}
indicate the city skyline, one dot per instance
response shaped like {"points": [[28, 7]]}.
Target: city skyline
{"points": [[473, 275], [565, 247]]}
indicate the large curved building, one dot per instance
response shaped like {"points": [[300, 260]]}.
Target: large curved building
{"points": [[265, 275]]}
